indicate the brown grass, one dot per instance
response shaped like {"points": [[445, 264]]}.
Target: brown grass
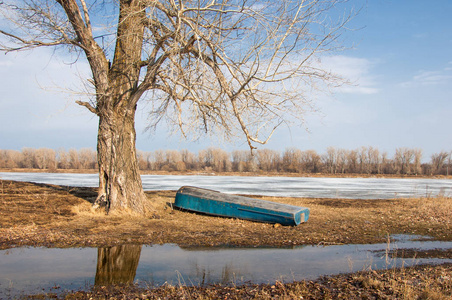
{"points": [[47, 215], [422, 282]]}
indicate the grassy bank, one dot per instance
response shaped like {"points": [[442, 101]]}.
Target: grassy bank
{"points": [[55, 216]]}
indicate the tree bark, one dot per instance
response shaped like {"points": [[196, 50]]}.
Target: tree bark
{"points": [[119, 179]]}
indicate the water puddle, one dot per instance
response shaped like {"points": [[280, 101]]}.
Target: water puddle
{"points": [[34, 270]]}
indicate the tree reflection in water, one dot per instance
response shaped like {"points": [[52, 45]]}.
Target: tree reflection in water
{"points": [[117, 265]]}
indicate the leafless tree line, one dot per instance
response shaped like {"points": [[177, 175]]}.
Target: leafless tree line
{"points": [[48, 159], [364, 160]]}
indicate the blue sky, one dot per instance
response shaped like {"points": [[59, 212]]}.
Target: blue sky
{"points": [[400, 61]]}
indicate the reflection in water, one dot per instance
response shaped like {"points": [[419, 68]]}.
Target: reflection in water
{"points": [[117, 264], [205, 275], [30, 270]]}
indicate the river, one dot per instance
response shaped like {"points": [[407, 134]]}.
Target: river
{"points": [[309, 187]]}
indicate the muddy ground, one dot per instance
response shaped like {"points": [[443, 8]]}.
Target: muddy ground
{"points": [[58, 216]]}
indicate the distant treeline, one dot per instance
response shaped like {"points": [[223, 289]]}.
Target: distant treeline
{"points": [[365, 160]]}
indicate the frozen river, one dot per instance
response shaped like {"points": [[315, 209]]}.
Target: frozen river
{"points": [[311, 187]]}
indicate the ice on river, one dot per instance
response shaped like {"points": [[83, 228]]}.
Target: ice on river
{"points": [[311, 187]]}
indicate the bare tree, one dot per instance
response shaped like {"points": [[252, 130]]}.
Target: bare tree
{"points": [[63, 159], [243, 161], [239, 158], [438, 160], [221, 160], [143, 160], [159, 159], [267, 159], [10, 158], [403, 159], [330, 160], [220, 67], [374, 160], [363, 160], [417, 162], [311, 161], [189, 159], [341, 160], [385, 163], [352, 161], [28, 157], [449, 159], [291, 160], [87, 158], [172, 158], [74, 160]]}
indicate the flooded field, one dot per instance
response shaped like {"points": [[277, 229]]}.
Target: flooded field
{"points": [[33, 270], [308, 187]]}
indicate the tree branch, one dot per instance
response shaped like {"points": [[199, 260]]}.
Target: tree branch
{"points": [[88, 106], [29, 44]]}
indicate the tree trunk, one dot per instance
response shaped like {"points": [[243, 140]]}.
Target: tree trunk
{"points": [[117, 265], [119, 179]]}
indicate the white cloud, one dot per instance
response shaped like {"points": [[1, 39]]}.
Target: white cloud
{"points": [[35, 91], [355, 70], [5, 63], [448, 66], [432, 78], [429, 78]]}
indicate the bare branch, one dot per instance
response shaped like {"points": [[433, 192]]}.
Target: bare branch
{"points": [[243, 67], [28, 44], [86, 15], [88, 106]]}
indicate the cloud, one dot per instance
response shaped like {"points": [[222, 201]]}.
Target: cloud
{"points": [[448, 66], [433, 78], [430, 78], [356, 70], [36, 92], [5, 63]]}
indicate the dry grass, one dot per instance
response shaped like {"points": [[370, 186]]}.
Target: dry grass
{"points": [[47, 215], [422, 282]]}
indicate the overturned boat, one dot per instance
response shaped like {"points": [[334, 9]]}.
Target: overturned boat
{"points": [[226, 205]]}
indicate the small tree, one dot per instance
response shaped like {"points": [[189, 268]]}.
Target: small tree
{"points": [[209, 66]]}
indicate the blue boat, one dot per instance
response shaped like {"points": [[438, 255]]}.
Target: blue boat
{"points": [[226, 205]]}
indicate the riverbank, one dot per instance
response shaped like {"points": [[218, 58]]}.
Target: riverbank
{"points": [[58, 216], [211, 173], [422, 282]]}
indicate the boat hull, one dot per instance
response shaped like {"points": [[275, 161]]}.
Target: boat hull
{"points": [[226, 205]]}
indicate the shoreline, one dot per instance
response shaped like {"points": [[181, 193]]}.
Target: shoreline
{"points": [[244, 174]]}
